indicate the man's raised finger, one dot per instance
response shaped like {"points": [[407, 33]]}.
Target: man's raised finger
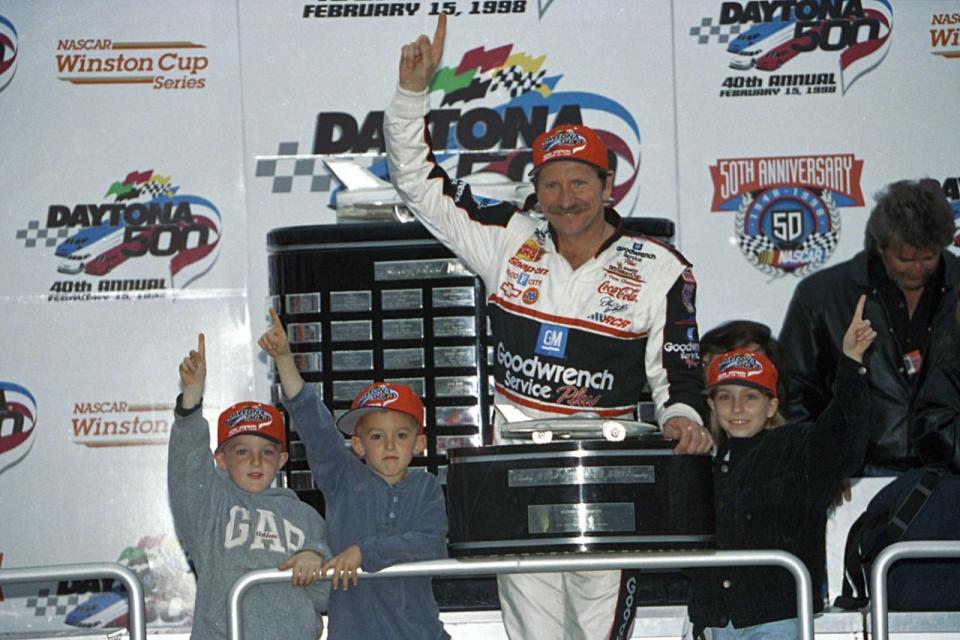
{"points": [[202, 346], [439, 36]]}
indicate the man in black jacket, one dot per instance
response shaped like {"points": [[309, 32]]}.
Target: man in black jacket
{"points": [[910, 282]]}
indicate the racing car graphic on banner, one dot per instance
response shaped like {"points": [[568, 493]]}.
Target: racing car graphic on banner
{"points": [[168, 588], [366, 196]]}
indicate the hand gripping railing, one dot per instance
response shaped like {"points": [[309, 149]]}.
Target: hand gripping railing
{"points": [[881, 566], [136, 622], [579, 562]]}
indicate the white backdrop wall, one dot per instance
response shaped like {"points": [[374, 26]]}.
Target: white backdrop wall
{"points": [[192, 129]]}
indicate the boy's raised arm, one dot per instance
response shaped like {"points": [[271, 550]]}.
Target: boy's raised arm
{"points": [[276, 344], [191, 483]]}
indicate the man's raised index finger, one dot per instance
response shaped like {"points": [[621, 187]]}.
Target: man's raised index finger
{"points": [[201, 346], [439, 35]]}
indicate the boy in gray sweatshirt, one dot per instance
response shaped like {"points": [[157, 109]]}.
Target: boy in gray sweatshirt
{"points": [[231, 521]]}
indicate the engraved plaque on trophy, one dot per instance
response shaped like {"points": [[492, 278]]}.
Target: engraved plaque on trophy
{"points": [[350, 301], [459, 356], [300, 332], [403, 358], [302, 303], [453, 297], [454, 386], [348, 389], [418, 269], [351, 330], [458, 416], [580, 518], [454, 326], [403, 328], [358, 360], [309, 361], [399, 299]]}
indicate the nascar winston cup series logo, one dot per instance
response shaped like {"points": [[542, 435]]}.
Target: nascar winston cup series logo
{"points": [[18, 420], [145, 239], [787, 209], [489, 107], [799, 47]]}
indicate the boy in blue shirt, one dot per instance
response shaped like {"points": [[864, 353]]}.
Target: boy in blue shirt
{"points": [[379, 513]]}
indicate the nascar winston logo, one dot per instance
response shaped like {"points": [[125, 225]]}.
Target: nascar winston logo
{"points": [[102, 61], [787, 208], [146, 237], [945, 34], [118, 423], [18, 421]]}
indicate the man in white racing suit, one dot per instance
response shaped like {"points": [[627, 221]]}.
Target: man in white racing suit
{"points": [[583, 314]]}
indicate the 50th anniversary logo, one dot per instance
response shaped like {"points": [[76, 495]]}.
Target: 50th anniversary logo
{"points": [[787, 209]]}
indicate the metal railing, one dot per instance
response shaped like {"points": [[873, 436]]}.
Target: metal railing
{"points": [[549, 563], [881, 567], [136, 622]]}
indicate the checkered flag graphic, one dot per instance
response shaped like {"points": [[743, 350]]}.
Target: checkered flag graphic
{"points": [[755, 245], [722, 32], [515, 81], [155, 188], [284, 167], [35, 235], [825, 241], [45, 605]]}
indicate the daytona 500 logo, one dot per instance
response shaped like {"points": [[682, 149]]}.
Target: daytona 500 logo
{"points": [[146, 238], [788, 40]]}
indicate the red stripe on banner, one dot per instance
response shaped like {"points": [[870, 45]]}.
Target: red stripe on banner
{"points": [[483, 59], [569, 322], [187, 257], [120, 80], [863, 49], [11, 442], [615, 412], [6, 43]]}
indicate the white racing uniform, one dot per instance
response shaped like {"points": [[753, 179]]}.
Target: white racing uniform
{"points": [[565, 341]]}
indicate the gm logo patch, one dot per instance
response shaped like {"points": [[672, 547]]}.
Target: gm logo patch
{"points": [[552, 341]]}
